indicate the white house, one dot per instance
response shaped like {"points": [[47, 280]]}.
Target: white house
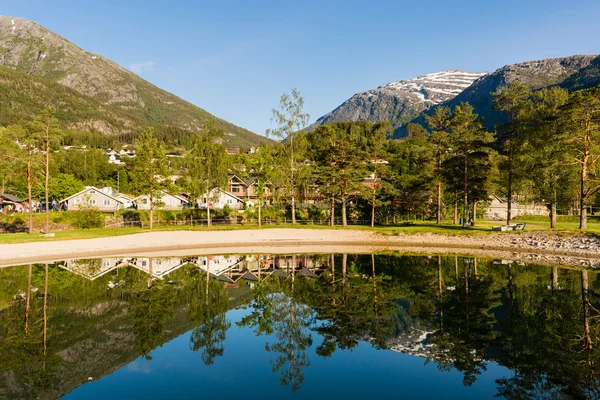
{"points": [[94, 198], [163, 201], [496, 209], [127, 200], [219, 198]]}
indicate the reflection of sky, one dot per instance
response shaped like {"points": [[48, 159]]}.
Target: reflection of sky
{"points": [[245, 371]]}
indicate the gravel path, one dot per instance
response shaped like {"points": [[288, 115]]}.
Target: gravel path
{"points": [[543, 246]]}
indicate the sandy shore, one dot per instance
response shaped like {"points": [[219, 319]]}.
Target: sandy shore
{"points": [[543, 247]]}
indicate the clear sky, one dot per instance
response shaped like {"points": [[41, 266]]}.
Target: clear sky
{"points": [[235, 58]]}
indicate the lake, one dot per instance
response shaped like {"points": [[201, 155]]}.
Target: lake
{"points": [[298, 326]]}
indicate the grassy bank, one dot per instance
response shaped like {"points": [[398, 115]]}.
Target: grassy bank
{"points": [[568, 226]]}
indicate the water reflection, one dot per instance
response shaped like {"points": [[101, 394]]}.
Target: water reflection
{"points": [[65, 324]]}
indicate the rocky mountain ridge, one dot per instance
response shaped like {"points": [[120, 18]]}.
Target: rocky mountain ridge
{"points": [[401, 101], [404, 101]]}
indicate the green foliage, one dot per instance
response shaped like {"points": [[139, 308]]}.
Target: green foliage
{"points": [[64, 185], [87, 218]]}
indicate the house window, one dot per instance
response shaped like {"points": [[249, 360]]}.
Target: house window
{"points": [[235, 189], [92, 192], [107, 202], [229, 201], [145, 201], [93, 202]]}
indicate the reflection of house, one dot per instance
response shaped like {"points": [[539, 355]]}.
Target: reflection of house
{"points": [[160, 266], [496, 209], [92, 197], [219, 198], [163, 201]]}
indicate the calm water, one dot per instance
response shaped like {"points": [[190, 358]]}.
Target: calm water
{"points": [[302, 326]]}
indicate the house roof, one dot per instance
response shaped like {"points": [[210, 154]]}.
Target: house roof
{"points": [[10, 197], [232, 176], [163, 193], [229, 194], [87, 190]]}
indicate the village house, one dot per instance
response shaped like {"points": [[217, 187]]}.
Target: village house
{"points": [[94, 198], [10, 203], [246, 189], [219, 198], [126, 199], [496, 209], [163, 201]]}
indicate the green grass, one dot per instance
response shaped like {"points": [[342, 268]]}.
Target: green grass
{"points": [[566, 227]]}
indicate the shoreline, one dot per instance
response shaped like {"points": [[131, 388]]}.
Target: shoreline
{"points": [[541, 246]]}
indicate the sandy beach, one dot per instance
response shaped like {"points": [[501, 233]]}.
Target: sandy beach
{"points": [[543, 247]]}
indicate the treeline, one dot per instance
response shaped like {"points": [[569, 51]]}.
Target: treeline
{"points": [[548, 151]]}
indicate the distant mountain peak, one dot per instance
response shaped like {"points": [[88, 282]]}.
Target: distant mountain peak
{"points": [[401, 101]]}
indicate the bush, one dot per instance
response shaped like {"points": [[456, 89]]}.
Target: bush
{"points": [[88, 219]]}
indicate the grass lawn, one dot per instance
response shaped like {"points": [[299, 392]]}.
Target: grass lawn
{"points": [[566, 226]]}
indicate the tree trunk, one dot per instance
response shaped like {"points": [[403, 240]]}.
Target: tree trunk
{"points": [[208, 222], [47, 178], [455, 211], [553, 215], [344, 264], [259, 216], [28, 300], [294, 207], [29, 197], [45, 308], [555, 278], [439, 203], [332, 211], [465, 222], [344, 218], [582, 195], [509, 194], [332, 267], [474, 213], [151, 214], [207, 279]]}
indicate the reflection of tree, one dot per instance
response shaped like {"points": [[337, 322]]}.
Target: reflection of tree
{"points": [[150, 309], [284, 315], [208, 312], [461, 339], [290, 323]]}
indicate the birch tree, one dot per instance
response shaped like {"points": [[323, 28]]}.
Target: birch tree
{"points": [[290, 121]]}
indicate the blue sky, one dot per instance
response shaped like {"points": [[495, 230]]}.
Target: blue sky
{"points": [[235, 58]]}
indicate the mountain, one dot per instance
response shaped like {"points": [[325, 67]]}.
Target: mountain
{"points": [[401, 101], [572, 73], [116, 100]]}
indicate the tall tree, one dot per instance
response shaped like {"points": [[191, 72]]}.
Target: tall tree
{"points": [[45, 128], [439, 124], [30, 156], [340, 153], [547, 161], [376, 138], [262, 167], [207, 165], [150, 169], [514, 101], [581, 118], [468, 163], [291, 120]]}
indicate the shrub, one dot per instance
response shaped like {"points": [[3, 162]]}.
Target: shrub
{"points": [[88, 219]]}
